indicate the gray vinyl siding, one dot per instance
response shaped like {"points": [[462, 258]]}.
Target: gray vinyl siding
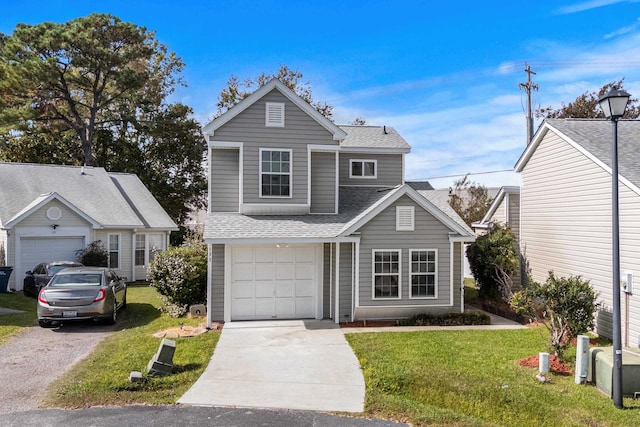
{"points": [[500, 215], [327, 274], [458, 279], [323, 182], [346, 282], [225, 187], [389, 169], [216, 265], [566, 225], [380, 233], [299, 131]]}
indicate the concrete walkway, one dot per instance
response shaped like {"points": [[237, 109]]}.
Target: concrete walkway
{"points": [[304, 365]]}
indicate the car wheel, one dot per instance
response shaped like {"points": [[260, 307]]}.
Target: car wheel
{"points": [[114, 316], [26, 292], [44, 323], [124, 302]]}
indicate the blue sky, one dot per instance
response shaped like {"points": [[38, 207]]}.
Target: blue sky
{"points": [[444, 74]]}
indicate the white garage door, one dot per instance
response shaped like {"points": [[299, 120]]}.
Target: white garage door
{"points": [[272, 282], [33, 250]]}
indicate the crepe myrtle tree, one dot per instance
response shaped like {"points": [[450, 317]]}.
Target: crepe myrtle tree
{"points": [[566, 306]]}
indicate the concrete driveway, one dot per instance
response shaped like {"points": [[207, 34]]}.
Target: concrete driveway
{"points": [[305, 365]]}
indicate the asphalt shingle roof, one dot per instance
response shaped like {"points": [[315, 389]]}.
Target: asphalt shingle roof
{"points": [[353, 203], [373, 137], [596, 136], [112, 200]]}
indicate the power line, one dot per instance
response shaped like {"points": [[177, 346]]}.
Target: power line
{"points": [[463, 174]]}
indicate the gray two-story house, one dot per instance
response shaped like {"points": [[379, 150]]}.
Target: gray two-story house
{"points": [[308, 219]]}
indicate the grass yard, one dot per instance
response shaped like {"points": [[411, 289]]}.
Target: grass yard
{"points": [[472, 378], [11, 324], [103, 377]]}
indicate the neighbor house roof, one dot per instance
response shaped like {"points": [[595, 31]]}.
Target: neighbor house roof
{"points": [[106, 200], [378, 137], [357, 206], [593, 137]]}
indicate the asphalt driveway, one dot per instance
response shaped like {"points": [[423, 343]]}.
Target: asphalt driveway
{"points": [[304, 365]]}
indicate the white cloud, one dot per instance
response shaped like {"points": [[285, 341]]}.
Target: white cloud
{"points": [[587, 5]]}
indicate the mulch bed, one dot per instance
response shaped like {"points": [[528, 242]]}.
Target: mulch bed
{"points": [[555, 365]]}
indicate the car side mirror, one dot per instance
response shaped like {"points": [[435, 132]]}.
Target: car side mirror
{"points": [[29, 272]]}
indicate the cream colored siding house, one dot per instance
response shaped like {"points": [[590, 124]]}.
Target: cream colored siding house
{"points": [[566, 210], [308, 219], [49, 212]]}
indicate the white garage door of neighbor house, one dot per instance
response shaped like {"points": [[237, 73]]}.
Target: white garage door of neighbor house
{"points": [[34, 250], [274, 282]]}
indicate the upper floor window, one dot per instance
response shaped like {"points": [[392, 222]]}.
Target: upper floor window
{"points": [[274, 114], [275, 173], [363, 168]]}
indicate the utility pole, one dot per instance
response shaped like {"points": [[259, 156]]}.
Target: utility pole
{"points": [[528, 87]]}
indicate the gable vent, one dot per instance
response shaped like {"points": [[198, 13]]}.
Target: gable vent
{"points": [[274, 114], [405, 218]]}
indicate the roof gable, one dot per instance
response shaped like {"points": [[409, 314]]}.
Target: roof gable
{"points": [[593, 138], [274, 84], [422, 200], [43, 200], [497, 201]]}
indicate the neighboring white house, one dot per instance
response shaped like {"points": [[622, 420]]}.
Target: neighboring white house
{"points": [[565, 210], [48, 212], [308, 219]]}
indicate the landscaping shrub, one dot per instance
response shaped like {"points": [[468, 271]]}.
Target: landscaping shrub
{"points": [[493, 259], [94, 255], [448, 319], [564, 305], [180, 276]]}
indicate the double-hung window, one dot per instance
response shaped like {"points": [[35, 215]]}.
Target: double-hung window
{"points": [[140, 249], [113, 244], [363, 169], [423, 273], [275, 173], [386, 274]]}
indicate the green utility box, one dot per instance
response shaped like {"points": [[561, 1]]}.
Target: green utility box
{"points": [[601, 370]]}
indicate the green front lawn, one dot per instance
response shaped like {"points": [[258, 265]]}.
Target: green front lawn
{"points": [[472, 378], [11, 324], [103, 377]]}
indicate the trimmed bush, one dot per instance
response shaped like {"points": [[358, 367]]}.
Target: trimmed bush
{"points": [[449, 319], [94, 255], [180, 276]]}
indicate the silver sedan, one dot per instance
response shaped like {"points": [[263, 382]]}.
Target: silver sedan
{"points": [[82, 293]]}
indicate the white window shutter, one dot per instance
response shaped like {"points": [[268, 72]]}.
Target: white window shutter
{"points": [[274, 116], [405, 218]]}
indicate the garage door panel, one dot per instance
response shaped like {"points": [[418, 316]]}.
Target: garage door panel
{"points": [[263, 271], [264, 289], [304, 272], [285, 272], [304, 306], [274, 282], [285, 290], [306, 255], [34, 250]]}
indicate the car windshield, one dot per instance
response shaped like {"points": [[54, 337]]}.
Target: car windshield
{"points": [[76, 279], [55, 268]]}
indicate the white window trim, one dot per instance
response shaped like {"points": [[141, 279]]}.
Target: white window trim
{"points": [[109, 236], [411, 274], [373, 274], [145, 249], [401, 211], [274, 106], [290, 173], [363, 161]]}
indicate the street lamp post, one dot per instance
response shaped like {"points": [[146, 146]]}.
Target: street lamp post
{"points": [[613, 105]]}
